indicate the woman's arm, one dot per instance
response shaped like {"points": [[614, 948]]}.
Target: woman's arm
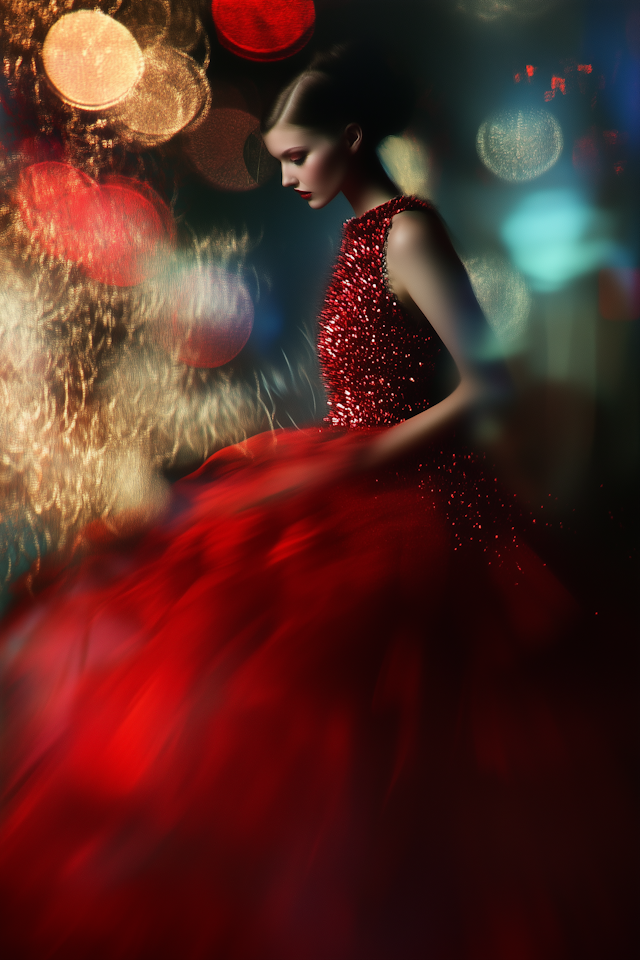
{"points": [[427, 277]]}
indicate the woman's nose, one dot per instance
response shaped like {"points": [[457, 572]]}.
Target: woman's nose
{"points": [[288, 178]]}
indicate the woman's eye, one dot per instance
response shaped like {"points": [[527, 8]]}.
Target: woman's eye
{"points": [[299, 160]]}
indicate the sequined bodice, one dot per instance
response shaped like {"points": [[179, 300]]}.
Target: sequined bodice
{"points": [[377, 362]]}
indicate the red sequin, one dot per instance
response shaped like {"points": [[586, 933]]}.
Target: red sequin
{"points": [[378, 366], [377, 362]]}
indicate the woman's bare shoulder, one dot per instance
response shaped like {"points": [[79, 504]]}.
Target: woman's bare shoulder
{"points": [[416, 233]]}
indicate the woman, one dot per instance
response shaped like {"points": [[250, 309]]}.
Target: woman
{"points": [[397, 267], [322, 153], [279, 724]]}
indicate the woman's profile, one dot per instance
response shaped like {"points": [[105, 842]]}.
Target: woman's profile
{"points": [[300, 717]]}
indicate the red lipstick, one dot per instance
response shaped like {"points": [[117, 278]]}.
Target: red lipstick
{"points": [[304, 194]]}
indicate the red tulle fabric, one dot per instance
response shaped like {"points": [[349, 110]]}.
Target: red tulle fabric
{"points": [[299, 726], [312, 714]]}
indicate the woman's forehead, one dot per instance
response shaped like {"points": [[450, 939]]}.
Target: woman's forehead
{"points": [[289, 136]]}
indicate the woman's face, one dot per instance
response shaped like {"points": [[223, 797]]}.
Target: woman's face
{"points": [[313, 163]]}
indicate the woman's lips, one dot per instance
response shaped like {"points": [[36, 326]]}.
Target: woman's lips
{"points": [[304, 194]]}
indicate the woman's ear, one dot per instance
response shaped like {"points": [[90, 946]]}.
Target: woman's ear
{"points": [[353, 137]]}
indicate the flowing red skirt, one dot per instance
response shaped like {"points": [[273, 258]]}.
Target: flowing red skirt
{"points": [[305, 726]]}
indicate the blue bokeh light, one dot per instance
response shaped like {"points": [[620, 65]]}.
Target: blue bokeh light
{"points": [[554, 236]]}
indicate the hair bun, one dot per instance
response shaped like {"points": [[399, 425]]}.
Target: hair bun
{"points": [[349, 83]]}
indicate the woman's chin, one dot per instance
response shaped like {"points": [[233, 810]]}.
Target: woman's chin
{"points": [[317, 202]]}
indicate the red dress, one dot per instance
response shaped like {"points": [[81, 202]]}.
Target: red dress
{"points": [[302, 727]]}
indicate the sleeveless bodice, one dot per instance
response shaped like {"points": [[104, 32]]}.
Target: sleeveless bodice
{"points": [[377, 362]]}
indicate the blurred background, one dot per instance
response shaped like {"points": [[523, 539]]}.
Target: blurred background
{"points": [[526, 137]]}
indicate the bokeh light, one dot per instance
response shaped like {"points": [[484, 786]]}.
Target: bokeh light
{"points": [[264, 29], [184, 29], [212, 315], [44, 197], [406, 160], [503, 295], [144, 190], [227, 147], [555, 236], [113, 231], [520, 145], [148, 20], [91, 60], [172, 94]]}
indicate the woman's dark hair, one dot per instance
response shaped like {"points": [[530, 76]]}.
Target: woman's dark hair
{"points": [[348, 84]]}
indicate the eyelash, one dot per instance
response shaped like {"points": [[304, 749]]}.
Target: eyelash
{"points": [[299, 160]]}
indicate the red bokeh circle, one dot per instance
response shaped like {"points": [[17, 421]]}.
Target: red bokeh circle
{"points": [[113, 231], [264, 29], [214, 346], [213, 318], [122, 232]]}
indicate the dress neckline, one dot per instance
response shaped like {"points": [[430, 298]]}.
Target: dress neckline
{"points": [[375, 212]]}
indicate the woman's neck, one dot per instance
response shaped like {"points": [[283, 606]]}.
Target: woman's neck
{"points": [[367, 186]]}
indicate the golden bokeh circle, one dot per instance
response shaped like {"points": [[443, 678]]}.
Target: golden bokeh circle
{"points": [[520, 145], [91, 61], [503, 295], [228, 150], [172, 94], [147, 20]]}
